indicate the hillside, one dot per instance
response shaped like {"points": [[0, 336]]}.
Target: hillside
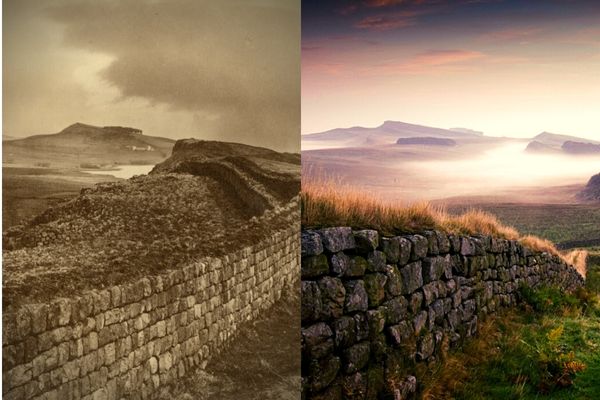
{"points": [[538, 147], [86, 144], [572, 147], [591, 192], [547, 143], [388, 133], [426, 141], [197, 203]]}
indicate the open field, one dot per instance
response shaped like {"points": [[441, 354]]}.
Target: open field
{"points": [[27, 192]]}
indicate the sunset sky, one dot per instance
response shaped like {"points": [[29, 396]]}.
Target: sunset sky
{"points": [[507, 68], [176, 68]]}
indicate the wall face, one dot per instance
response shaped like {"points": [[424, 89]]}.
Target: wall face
{"points": [[372, 307], [127, 340]]}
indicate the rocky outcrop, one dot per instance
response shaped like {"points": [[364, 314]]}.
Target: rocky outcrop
{"points": [[426, 141], [235, 165], [591, 192], [374, 306]]}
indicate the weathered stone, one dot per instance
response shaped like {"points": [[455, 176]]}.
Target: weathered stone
{"points": [[419, 247], [405, 251], [358, 266], [426, 347], [391, 249], [153, 365], [340, 263], [467, 247], [333, 296], [400, 333], [443, 242], [430, 292], [454, 243], [433, 268], [412, 277], [376, 319], [345, 332], [416, 302], [39, 315], [59, 312], [165, 362], [311, 306], [396, 310], [437, 311], [314, 266], [393, 284], [356, 357], [318, 340], [311, 244], [432, 243], [362, 326], [420, 321], [374, 285], [366, 240], [376, 261], [337, 239], [356, 296]]}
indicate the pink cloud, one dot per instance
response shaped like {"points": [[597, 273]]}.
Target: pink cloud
{"points": [[385, 22], [434, 60], [511, 34]]}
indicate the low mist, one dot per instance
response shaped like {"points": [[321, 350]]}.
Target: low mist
{"points": [[504, 168]]}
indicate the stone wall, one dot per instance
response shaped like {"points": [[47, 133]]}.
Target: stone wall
{"points": [[126, 341], [373, 306]]}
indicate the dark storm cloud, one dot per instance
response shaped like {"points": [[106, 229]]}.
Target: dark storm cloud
{"points": [[234, 64]]}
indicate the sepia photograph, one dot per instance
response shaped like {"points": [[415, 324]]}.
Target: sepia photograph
{"points": [[450, 199], [150, 199]]}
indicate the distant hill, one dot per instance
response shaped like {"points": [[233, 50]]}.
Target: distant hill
{"points": [[466, 130], [591, 192], [547, 142], [539, 147], [388, 133], [86, 144], [426, 141], [580, 147], [553, 139]]}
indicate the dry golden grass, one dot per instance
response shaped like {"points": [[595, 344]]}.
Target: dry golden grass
{"points": [[327, 203], [578, 259]]}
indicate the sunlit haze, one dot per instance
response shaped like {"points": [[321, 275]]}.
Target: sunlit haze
{"points": [[506, 68]]}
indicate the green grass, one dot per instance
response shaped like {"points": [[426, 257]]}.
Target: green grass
{"points": [[550, 350]]}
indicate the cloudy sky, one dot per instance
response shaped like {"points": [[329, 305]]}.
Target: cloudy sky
{"points": [[175, 68], [507, 68]]}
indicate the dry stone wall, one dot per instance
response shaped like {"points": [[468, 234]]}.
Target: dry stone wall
{"points": [[374, 306], [126, 341]]}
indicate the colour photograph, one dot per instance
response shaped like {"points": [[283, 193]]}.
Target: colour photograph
{"points": [[450, 199]]}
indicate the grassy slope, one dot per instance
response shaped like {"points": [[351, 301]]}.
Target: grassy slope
{"points": [[27, 192], [523, 354]]}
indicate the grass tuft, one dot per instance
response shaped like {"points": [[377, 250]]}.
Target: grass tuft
{"points": [[329, 203]]}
